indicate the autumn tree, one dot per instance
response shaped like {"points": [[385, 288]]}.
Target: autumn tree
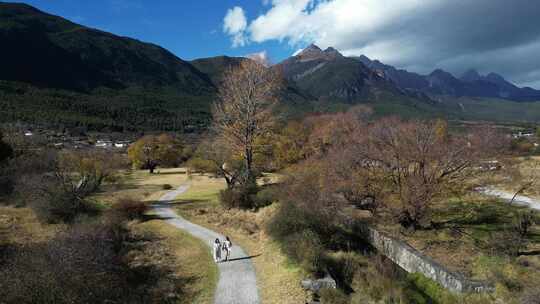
{"points": [[243, 112], [150, 151], [420, 162], [215, 157], [291, 144], [56, 185], [84, 172]]}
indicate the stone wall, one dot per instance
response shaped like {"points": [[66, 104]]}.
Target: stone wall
{"points": [[412, 261]]}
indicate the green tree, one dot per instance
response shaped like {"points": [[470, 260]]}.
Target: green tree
{"points": [[151, 151], [291, 145]]}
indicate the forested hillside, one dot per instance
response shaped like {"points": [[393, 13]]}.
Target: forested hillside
{"points": [[58, 72]]}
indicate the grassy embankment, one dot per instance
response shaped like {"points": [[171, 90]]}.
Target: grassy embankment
{"points": [[470, 236], [277, 278]]}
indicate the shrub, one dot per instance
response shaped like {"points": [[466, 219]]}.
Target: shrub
{"points": [[305, 248], [291, 219], [342, 266], [90, 271], [167, 187], [531, 296], [266, 196], [197, 164], [130, 209], [54, 204], [508, 242], [333, 296], [419, 286], [91, 262], [242, 197]]}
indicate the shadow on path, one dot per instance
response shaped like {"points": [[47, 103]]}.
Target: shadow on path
{"points": [[243, 258]]}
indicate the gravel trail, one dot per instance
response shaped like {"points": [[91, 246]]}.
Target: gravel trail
{"points": [[237, 281], [507, 195]]}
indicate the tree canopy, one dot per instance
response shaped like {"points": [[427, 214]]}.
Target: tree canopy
{"points": [[152, 151]]}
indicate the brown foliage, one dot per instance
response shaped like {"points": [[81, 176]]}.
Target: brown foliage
{"points": [[92, 262], [243, 112], [405, 164], [400, 165], [130, 209]]}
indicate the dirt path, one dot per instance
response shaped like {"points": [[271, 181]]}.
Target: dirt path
{"points": [[237, 282], [507, 195]]}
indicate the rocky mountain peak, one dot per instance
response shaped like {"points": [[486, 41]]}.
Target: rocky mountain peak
{"points": [[440, 73], [495, 77], [332, 53], [310, 51], [314, 52], [471, 75]]}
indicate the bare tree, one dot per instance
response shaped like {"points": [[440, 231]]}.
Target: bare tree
{"points": [[527, 180], [420, 161], [243, 112]]}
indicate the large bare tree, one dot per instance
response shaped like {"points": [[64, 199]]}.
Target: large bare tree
{"points": [[243, 112]]}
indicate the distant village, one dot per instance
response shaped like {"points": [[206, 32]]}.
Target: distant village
{"points": [[79, 140]]}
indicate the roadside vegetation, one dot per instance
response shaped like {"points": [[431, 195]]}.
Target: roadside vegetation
{"points": [[75, 227]]}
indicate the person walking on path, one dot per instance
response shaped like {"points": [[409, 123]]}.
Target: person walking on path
{"points": [[217, 251], [227, 246]]}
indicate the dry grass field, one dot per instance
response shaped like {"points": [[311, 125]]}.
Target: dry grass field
{"points": [[156, 244]]}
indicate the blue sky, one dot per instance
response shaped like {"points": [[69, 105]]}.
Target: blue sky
{"points": [[417, 35], [190, 29]]}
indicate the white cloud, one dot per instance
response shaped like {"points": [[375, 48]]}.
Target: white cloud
{"points": [[235, 24], [261, 57], [417, 34], [328, 23]]}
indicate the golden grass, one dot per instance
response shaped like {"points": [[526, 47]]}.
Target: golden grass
{"points": [[141, 185], [278, 280], [20, 226], [190, 258]]}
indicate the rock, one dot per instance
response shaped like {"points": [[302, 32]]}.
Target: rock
{"points": [[318, 284]]}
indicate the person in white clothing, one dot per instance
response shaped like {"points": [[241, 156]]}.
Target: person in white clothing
{"points": [[217, 251], [227, 246]]}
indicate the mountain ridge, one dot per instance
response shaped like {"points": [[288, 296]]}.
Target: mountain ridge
{"points": [[440, 82], [50, 51]]}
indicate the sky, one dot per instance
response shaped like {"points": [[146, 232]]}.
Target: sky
{"points": [[501, 36]]}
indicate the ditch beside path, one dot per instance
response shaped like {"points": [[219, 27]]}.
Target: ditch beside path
{"points": [[507, 195], [237, 282]]}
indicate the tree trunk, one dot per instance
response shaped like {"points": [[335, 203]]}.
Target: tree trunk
{"points": [[249, 176]]}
